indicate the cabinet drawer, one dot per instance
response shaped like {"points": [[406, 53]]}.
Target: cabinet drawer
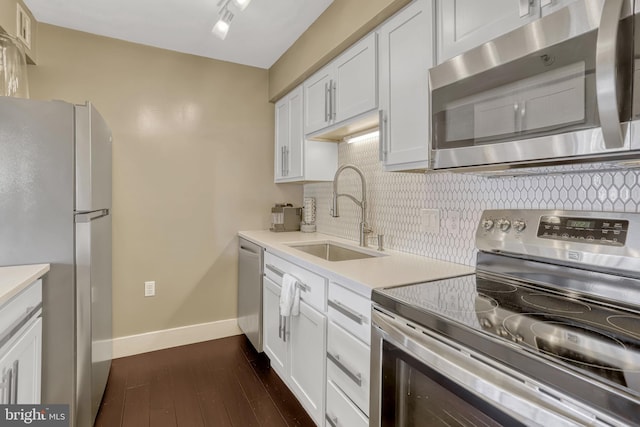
{"points": [[312, 286], [351, 311], [341, 412], [348, 365], [16, 308]]}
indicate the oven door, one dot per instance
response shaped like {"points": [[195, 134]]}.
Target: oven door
{"points": [[558, 89], [419, 378]]}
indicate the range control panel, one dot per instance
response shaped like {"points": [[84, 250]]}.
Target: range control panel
{"points": [[586, 230]]}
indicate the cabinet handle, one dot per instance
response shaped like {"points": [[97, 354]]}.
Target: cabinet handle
{"points": [[332, 421], [356, 317], [382, 138], [525, 7], [355, 377], [333, 100], [302, 286], [286, 162], [280, 327], [284, 329], [14, 383], [327, 94]]}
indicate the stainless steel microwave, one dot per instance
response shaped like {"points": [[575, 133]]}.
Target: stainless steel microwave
{"points": [[558, 90]]}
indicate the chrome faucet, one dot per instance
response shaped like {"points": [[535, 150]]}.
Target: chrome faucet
{"points": [[364, 227]]}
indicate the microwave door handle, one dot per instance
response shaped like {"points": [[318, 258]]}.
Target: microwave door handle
{"points": [[606, 94]]}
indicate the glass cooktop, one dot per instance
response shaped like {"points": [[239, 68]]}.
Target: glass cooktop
{"points": [[597, 339]]}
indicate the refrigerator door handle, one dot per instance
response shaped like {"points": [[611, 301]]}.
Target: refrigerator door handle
{"points": [[87, 216]]}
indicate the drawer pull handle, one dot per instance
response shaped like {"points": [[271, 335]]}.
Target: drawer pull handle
{"points": [[333, 421], [356, 317], [302, 286], [356, 378]]}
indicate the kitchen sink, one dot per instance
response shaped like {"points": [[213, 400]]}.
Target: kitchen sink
{"points": [[333, 252]]}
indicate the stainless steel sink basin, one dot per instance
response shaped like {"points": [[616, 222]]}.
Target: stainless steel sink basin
{"points": [[333, 252]]}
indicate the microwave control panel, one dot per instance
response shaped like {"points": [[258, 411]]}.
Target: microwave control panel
{"points": [[585, 230]]}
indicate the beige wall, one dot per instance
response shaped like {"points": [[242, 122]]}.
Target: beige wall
{"points": [[192, 164], [342, 24]]}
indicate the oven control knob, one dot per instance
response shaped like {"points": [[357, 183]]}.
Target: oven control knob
{"points": [[504, 224], [518, 338], [486, 323], [487, 224], [519, 225], [502, 332]]}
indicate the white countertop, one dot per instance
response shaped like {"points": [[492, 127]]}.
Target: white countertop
{"points": [[361, 275], [15, 278]]}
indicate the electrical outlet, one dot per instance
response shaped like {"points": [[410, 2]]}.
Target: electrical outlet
{"points": [[430, 221], [453, 222], [150, 289]]}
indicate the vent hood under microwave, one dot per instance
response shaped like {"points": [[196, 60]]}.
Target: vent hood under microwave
{"points": [[556, 91]]}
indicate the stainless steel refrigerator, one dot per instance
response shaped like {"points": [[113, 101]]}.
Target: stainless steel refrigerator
{"points": [[55, 207]]}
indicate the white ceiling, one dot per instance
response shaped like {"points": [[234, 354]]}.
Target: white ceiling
{"points": [[259, 35]]}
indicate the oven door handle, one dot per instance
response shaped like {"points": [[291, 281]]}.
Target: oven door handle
{"points": [[606, 80]]}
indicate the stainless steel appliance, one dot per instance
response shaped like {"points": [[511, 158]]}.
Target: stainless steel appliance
{"points": [[285, 217], [55, 207], [558, 90], [250, 272], [546, 332]]}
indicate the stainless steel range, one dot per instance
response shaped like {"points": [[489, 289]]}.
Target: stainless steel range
{"points": [[547, 332]]}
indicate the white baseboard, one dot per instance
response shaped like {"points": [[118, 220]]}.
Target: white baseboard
{"points": [[158, 340]]}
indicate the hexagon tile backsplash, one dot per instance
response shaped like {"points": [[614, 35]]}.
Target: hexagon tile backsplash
{"points": [[395, 200]]}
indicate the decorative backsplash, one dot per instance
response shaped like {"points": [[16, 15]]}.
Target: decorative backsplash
{"points": [[395, 200]]}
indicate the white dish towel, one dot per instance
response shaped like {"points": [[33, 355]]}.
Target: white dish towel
{"points": [[289, 296]]}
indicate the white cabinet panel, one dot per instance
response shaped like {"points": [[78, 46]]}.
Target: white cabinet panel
{"points": [[20, 366], [341, 411], [316, 100], [274, 346], [465, 24], [348, 365], [306, 365], [351, 311], [406, 54], [355, 86]]}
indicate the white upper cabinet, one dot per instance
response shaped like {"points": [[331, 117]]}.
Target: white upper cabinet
{"points": [[465, 24], [298, 160], [344, 89], [406, 49]]}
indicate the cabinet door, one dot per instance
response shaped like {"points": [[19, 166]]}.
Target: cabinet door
{"points": [[274, 345], [316, 100], [282, 138], [307, 360], [289, 138], [465, 24], [355, 84], [20, 367], [406, 53]]}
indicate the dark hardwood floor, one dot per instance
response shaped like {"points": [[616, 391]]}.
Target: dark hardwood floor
{"points": [[215, 383]]}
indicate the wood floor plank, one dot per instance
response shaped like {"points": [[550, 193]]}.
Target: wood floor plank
{"points": [[162, 411], [136, 407], [236, 403], [185, 397]]}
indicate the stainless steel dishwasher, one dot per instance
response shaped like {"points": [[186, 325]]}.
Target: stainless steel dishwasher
{"points": [[250, 291]]}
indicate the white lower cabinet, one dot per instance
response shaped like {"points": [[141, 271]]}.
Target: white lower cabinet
{"points": [[21, 350], [20, 367], [296, 345], [322, 354], [341, 411]]}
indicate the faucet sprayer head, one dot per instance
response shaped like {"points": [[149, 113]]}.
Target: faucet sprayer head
{"points": [[334, 206]]}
